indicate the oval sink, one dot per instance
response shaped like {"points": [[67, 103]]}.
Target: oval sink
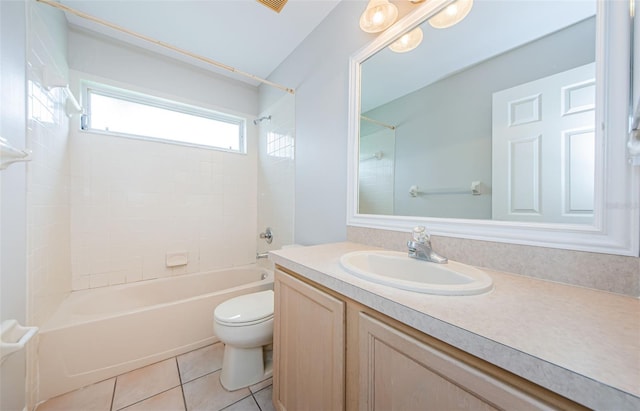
{"points": [[397, 270]]}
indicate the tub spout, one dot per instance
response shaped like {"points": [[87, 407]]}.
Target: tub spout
{"points": [[262, 255]]}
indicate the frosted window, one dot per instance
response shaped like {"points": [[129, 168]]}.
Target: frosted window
{"points": [[135, 115]]}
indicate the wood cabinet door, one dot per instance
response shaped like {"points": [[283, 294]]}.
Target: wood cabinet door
{"points": [[399, 372], [308, 347]]}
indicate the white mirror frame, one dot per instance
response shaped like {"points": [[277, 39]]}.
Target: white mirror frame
{"points": [[616, 227]]}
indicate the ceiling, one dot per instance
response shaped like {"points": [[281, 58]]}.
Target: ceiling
{"points": [[243, 34]]}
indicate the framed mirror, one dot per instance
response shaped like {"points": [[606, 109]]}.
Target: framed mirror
{"points": [[509, 126]]}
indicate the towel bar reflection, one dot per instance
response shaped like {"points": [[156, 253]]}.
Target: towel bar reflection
{"points": [[377, 156], [476, 189], [10, 154]]}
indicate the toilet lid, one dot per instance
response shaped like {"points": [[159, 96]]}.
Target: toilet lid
{"points": [[246, 308]]}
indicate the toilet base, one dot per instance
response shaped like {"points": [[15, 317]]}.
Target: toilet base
{"points": [[242, 367]]}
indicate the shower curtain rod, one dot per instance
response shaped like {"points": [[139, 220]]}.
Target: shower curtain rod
{"points": [[163, 44], [380, 123]]}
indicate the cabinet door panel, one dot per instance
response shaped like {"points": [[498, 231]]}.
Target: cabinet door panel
{"points": [[399, 372], [308, 347], [418, 388]]}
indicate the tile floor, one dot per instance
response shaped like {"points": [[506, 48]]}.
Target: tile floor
{"points": [[188, 382]]}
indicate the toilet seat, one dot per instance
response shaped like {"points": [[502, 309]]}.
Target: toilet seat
{"points": [[245, 310]]}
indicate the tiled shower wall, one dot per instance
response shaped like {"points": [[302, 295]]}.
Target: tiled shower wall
{"points": [[134, 201], [376, 172], [48, 207], [276, 173]]}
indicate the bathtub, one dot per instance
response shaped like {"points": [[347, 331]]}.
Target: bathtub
{"points": [[101, 333]]}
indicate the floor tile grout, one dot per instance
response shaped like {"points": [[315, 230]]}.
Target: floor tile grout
{"points": [[111, 402], [256, 400], [156, 394], [113, 394], [184, 399]]}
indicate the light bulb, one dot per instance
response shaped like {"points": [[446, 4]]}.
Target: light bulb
{"points": [[452, 14], [378, 16], [452, 10], [408, 41]]}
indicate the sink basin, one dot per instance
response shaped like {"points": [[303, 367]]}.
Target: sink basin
{"points": [[397, 270]]}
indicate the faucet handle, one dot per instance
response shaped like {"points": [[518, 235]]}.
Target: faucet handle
{"points": [[420, 234]]}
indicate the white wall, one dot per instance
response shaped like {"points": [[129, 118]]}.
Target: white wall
{"points": [[133, 201], [97, 55], [318, 70], [13, 217]]}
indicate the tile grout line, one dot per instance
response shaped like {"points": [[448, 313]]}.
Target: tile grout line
{"points": [[184, 398], [113, 394], [151, 396], [145, 399], [253, 394], [255, 400]]}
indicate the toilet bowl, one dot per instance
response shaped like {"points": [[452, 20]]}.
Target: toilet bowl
{"points": [[245, 325]]}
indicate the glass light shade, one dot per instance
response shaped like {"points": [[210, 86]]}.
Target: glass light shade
{"points": [[378, 16], [452, 14], [408, 41]]}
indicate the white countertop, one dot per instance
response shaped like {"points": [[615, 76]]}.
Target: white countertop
{"points": [[583, 344]]}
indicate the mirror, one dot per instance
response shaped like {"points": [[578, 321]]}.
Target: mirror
{"points": [[488, 128], [504, 70]]}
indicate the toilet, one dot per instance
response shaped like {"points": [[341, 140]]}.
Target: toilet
{"points": [[245, 325]]}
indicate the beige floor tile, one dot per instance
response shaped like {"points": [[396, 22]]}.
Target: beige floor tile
{"points": [[145, 382], [264, 398], [262, 384], [96, 397], [206, 394], [171, 400], [200, 362], [247, 404]]}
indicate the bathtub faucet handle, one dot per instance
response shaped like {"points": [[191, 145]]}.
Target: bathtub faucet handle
{"points": [[267, 235]]}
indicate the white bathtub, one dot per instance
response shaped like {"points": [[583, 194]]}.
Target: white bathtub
{"points": [[100, 333]]}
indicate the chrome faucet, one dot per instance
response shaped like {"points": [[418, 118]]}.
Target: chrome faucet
{"points": [[420, 247]]}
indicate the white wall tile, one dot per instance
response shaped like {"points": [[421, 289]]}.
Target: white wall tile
{"points": [[277, 174], [160, 199], [48, 178], [133, 201]]}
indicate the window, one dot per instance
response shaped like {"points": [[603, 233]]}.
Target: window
{"points": [[129, 114]]}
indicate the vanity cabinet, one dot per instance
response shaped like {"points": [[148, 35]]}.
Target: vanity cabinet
{"points": [[309, 347], [389, 365]]}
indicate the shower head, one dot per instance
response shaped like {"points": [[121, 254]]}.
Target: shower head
{"points": [[259, 120]]}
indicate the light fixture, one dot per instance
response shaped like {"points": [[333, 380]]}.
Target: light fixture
{"points": [[408, 41], [378, 16], [452, 14]]}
